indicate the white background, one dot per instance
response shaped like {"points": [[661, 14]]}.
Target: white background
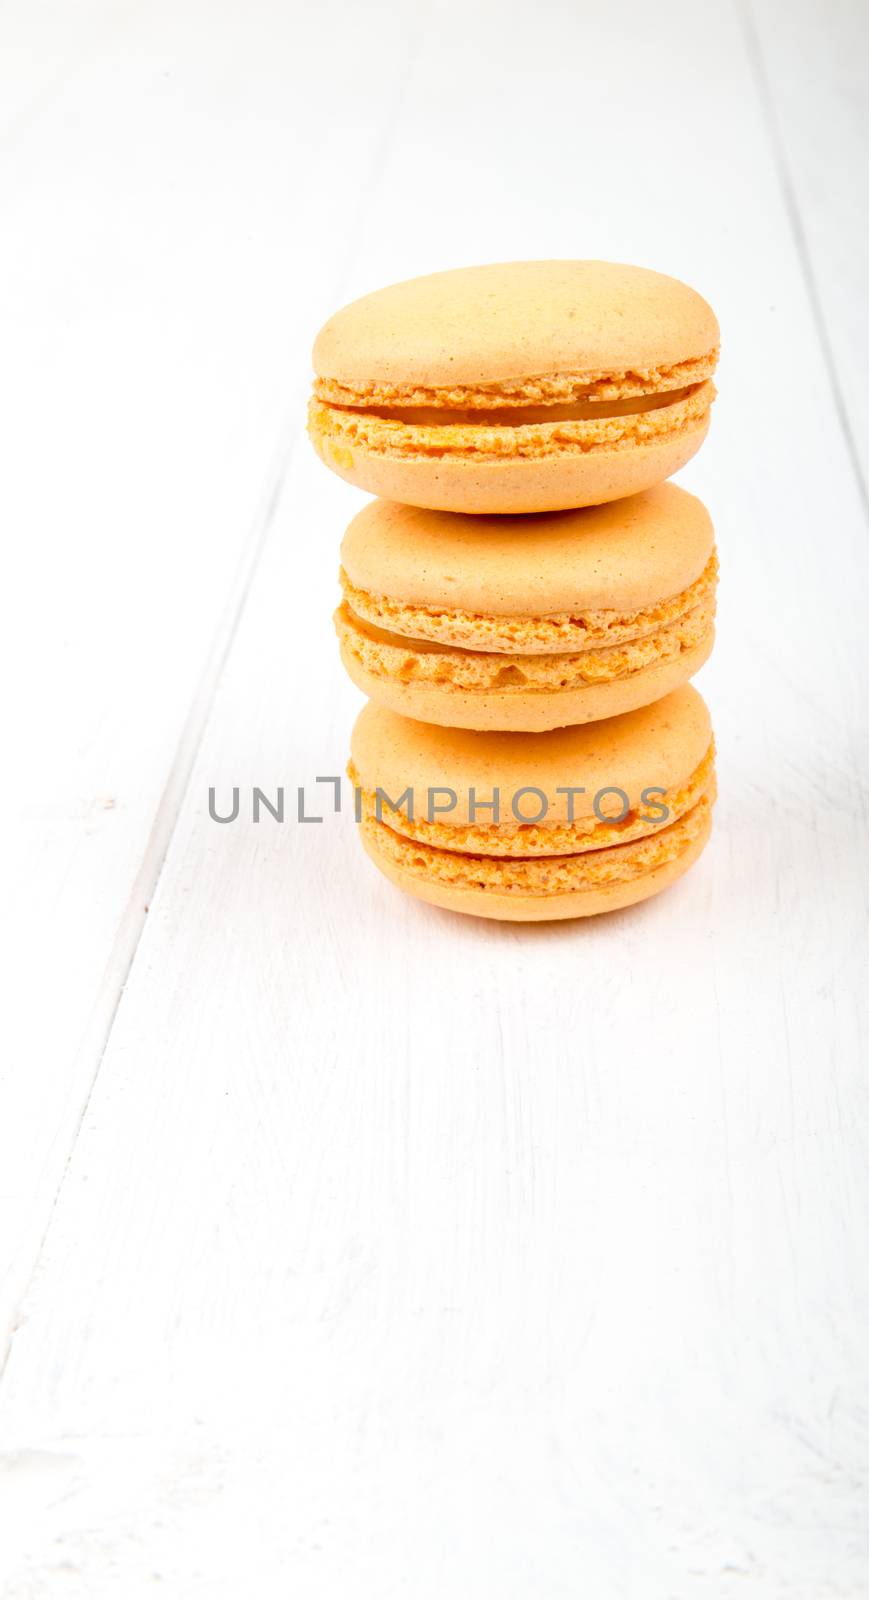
{"points": [[350, 1249]]}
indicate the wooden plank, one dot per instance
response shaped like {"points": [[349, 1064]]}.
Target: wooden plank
{"points": [[811, 63], [417, 1256], [171, 199]]}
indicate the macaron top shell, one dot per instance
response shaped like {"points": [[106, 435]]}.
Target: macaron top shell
{"points": [[619, 556], [658, 746], [479, 326]]}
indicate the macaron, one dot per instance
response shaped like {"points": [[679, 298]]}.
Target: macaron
{"points": [[531, 827], [527, 623], [528, 386]]}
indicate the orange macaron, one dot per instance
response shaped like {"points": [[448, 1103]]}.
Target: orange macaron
{"points": [[527, 623], [536, 827], [522, 387]]}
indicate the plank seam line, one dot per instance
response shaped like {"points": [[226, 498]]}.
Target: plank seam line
{"points": [[754, 51]]}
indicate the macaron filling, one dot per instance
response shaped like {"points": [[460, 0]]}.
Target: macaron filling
{"points": [[443, 666], [548, 389], [535, 876], [518, 416], [515, 839], [557, 631], [345, 429]]}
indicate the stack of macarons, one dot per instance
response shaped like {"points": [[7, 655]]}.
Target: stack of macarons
{"points": [[527, 598]]}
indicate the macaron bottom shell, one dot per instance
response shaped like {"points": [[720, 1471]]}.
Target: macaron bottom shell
{"points": [[512, 484], [583, 902], [536, 711]]}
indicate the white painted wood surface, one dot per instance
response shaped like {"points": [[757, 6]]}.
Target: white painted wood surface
{"points": [[349, 1248]]}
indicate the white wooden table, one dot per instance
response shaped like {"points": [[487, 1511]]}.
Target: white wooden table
{"points": [[349, 1249]]}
